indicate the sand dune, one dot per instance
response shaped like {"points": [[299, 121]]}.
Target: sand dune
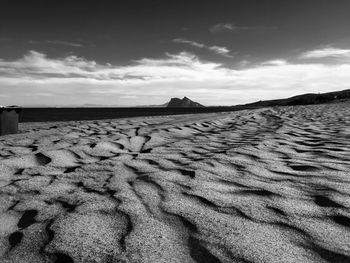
{"points": [[269, 185]]}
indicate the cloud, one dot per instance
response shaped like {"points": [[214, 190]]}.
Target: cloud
{"points": [[222, 27], [5, 39], [56, 42], [36, 78], [36, 63], [185, 41], [275, 62], [223, 51], [64, 43], [38, 66], [326, 53], [229, 27]]}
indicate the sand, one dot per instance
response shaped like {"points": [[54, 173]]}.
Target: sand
{"points": [[267, 185]]}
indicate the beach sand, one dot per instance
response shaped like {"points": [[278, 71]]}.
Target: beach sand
{"points": [[267, 185]]}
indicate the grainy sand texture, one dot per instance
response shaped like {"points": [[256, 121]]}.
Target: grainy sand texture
{"points": [[268, 185]]}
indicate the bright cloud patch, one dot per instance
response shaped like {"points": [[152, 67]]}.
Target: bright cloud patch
{"points": [[275, 62], [327, 52], [38, 79]]}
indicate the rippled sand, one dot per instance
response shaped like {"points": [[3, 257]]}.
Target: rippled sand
{"points": [[270, 185]]}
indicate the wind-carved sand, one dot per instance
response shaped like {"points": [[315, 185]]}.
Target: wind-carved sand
{"points": [[270, 185]]}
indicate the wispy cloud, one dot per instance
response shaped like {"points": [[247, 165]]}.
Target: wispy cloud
{"points": [[34, 42], [229, 27], [64, 43], [222, 27], [73, 79], [56, 42], [5, 39], [326, 53], [223, 51], [185, 41]]}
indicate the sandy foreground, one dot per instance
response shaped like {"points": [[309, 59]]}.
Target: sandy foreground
{"points": [[268, 185]]}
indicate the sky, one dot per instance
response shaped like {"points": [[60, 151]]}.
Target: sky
{"points": [[127, 53]]}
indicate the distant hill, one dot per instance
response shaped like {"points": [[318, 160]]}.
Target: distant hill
{"points": [[304, 99], [185, 102]]}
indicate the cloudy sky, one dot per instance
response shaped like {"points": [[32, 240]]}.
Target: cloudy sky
{"points": [[225, 52]]}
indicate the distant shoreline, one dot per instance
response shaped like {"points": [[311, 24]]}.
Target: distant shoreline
{"points": [[100, 113], [43, 114]]}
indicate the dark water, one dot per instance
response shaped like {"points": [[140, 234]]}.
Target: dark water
{"points": [[71, 114]]}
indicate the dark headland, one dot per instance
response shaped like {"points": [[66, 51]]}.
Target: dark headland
{"points": [[185, 102]]}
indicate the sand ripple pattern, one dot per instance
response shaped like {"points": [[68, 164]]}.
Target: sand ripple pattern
{"points": [[270, 185]]}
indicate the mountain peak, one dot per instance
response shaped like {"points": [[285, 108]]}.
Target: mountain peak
{"points": [[184, 102]]}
